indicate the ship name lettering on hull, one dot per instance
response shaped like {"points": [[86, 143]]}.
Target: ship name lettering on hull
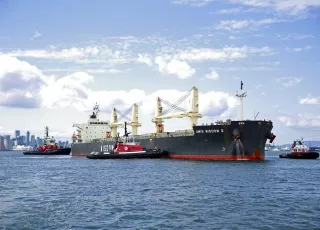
{"points": [[210, 131], [107, 147]]}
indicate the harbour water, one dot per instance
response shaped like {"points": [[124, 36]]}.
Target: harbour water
{"points": [[67, 192]]}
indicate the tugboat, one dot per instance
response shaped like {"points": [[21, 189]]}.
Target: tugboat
{"points": [[127, 150], [50, 147], [300, 151]]}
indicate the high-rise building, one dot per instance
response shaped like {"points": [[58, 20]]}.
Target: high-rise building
{"points": [[7, 142], [28, 138], [21, 140], [39, 141], [33, 141], [17, 134], [24, 140], [2, 143]]}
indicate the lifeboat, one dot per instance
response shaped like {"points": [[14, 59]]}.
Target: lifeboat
{"points": [[300, 151]]}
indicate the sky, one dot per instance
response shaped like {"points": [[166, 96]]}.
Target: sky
{"points": [[58, 58]]}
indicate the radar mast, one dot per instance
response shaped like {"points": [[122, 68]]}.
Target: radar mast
{"points": [[241, 95]]}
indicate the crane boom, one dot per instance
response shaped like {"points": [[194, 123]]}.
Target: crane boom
{"points": [[192, 113]]}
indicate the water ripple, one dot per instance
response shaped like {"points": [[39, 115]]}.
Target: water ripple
{"points": [[77, 193]]}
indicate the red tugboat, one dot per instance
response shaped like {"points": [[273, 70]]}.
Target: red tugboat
{"points": [[127, 150], [300, 151], [50, 147]]}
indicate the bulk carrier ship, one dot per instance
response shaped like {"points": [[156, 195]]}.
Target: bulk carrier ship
{"points": [[224, 140]]}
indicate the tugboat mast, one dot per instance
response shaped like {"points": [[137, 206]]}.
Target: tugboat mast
{"points": [[241, 95], [46, 131], [46, 135]]}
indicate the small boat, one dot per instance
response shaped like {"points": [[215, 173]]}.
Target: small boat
{"points": [[50, 147], [127, 150], [300, 151]]}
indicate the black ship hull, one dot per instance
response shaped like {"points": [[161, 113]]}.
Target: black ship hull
{"points": [[305, 155], [149, 154], [61, 151], [236, 140]]}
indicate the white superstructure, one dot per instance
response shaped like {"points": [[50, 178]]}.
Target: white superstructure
{"points": [[96, 129], [93, 129], [299, 146]]}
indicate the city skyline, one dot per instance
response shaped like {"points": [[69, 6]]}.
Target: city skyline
{"points": [[8, 142], [56, 64]]}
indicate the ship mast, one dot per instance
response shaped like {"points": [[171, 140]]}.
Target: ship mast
{"points": [[46, 132], [46, 135], [241, 95], [96, 109]]}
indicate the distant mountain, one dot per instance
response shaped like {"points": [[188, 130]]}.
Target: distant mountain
{"points": [[308, 143], [312, 143]]}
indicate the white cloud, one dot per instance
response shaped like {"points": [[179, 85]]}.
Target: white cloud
{"points": [[63, 54], [213, 75], [196, 3], [83, 55], [223, 54], [259, 66], [176, 67], [293, 7], [217, 103], [174, 61], [242, 24], [229, 11], [298, 49], [302, 120], [109, 54], [35, 35], [71, 91], [145, 58], [20, 83], [288, 81], [91, 71], [67, 91], [295, 36], [309, 100]]}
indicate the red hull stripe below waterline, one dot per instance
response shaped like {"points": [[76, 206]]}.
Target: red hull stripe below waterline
{"points": [[215, 157], [201, 157]]}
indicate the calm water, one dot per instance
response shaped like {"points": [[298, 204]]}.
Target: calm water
{"points": [[78, 193]]}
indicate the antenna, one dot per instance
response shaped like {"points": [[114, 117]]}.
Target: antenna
{"points": [[241, 95], [256, 115], [46, 131], [96, 108]]}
